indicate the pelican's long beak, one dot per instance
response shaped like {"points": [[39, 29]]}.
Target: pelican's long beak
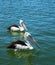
{"points": [[33, 40], [24, 26]]}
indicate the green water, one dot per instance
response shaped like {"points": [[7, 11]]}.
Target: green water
{"points": [[39, 17]]}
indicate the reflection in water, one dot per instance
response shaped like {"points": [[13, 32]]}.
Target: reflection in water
{"points": [[20, 53], [16, 35], [21, 36], [28, 55]]}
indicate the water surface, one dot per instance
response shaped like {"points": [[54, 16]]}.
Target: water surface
{"points": [[39, 17]]}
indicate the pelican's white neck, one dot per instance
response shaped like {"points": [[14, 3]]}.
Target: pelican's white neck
{"points": [[21, 21], [29, 45]]}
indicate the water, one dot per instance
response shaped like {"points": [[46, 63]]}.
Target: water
{"points": [[39, 17]]}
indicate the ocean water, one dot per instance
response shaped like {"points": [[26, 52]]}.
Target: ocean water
{"points": [[39, 17]]}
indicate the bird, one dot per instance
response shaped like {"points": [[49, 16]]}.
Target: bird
{"points": [[16, 28], [19, 44]]}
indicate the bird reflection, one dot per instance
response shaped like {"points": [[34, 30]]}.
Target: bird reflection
{"points": [[30, 55], [20, 53], [16, 33]]}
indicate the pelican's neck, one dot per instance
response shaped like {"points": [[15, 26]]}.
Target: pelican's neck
{"points": [[21, 21], [21, 25], [21, 28], [29, 45]]}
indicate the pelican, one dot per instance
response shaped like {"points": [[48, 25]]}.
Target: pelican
{"points": [[20, 45], [23, 44], [14, 27]]}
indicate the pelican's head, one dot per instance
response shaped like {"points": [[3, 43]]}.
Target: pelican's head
{"points": [[26, 34], [30, 38], [22, 24]]}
